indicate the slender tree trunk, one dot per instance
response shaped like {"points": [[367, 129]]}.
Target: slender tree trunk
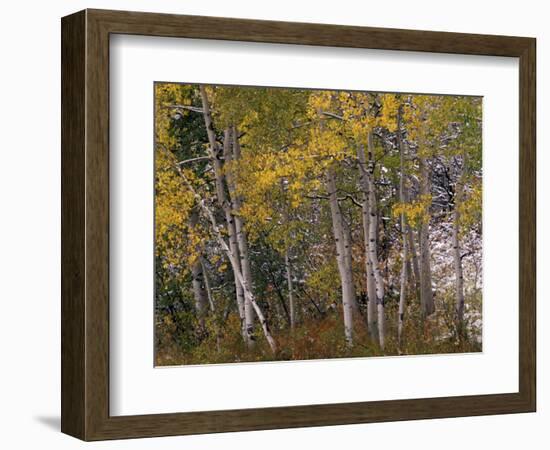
{"points": [[228, 207], [365, 210], [247, 274], [402, 296], [201, 301], [215, 155], [413, 258], [211, 303], [426, 293], [239, 292], [402, 197], [234, 152], [349, 262], [288, 267], [199, 291], [233, 260], [373, 250], [459, 283], [411, 241], [281, 303], [291, 301], [247, 292], [348, 291], [207, 286], [235, 227]]}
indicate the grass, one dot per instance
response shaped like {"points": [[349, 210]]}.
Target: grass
{"points": [[314, 339]]}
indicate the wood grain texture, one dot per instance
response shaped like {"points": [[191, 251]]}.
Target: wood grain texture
{"points": [[527, 224], [73, 108], [85, 224], [170, 25]]}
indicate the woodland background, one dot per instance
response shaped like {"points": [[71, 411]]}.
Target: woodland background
{"points": [[31, 403], [301, 224]]}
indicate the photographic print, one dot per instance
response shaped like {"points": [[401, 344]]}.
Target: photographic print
{"points": [[298, 224]]}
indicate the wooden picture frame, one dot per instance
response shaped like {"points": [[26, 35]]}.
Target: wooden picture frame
{"points": [[85, 224]]}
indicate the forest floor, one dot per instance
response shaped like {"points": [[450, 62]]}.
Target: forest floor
{"points": [[317, 339]]}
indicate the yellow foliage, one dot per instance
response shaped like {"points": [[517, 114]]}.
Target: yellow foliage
{"points": [[417, 211], [470, 206]]}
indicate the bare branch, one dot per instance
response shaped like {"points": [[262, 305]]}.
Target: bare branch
{"points": [[332, 115], [316, 197], [185, 107], [192, 160], [352, 198]]}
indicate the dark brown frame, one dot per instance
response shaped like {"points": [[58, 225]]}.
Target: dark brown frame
{"points": [[85, 224]]}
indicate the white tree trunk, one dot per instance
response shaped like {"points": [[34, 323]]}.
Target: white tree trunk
{"points": [[373, 250], [197, 275], [233, 260], [234, 224], [365, 210], [348, 291], [199, 292], [292, 306], [211, 303], [402, 198], [411, 242], [426, 293], [225, 204], [459, 283], [402, 294], [208, 287], [288, 268], [233, 152], [413, 258], [348, 258], [247, 274], [239, 293], [249, 296]]}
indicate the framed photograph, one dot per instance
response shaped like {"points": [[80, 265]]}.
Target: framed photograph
{"points": [[273, 225]]}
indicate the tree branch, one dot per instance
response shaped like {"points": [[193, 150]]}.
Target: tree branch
{"points": [[192, 160], [352, 198], [316, 197], [185, 107], [332, 115]]}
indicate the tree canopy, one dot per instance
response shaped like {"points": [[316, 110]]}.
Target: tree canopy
{"points": [[300, 224]]}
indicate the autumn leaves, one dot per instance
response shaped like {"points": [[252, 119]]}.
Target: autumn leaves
{"points": [[259, 191]]}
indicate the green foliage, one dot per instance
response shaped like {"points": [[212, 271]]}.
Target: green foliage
{"points": [[323, 338], [288, 140]]}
